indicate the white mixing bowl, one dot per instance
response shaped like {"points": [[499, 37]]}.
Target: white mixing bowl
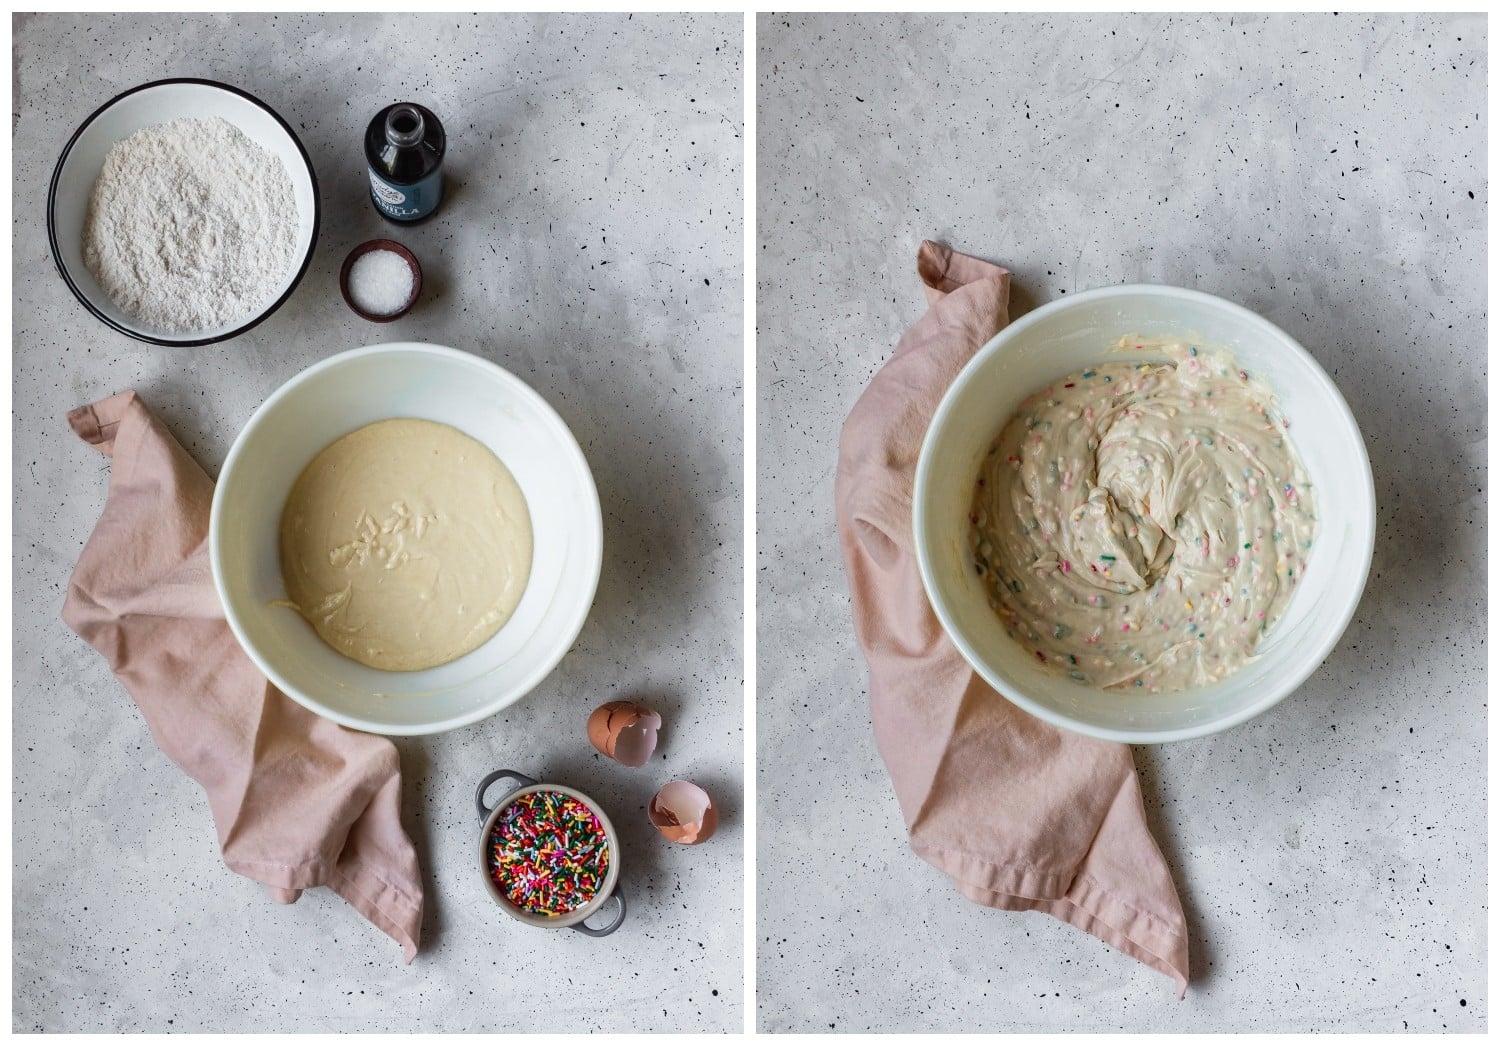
{"points": [[406, 380], [1076, 332], [159, 102]]}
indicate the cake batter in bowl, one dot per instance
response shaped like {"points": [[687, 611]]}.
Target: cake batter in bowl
{"points": [[405, 544], [484, 402], [1144, 523], [1079, 333]]}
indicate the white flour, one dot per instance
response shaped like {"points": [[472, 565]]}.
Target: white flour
{"points": [[191, 225]]}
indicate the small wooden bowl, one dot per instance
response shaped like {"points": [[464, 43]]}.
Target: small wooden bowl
{"points": [[394, 248]]}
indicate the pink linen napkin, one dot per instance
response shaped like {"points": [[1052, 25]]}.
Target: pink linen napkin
{"points": [[298, 801], [1021, 814]]}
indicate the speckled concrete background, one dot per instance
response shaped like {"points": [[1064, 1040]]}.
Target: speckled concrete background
{"points": [[591, 243], [1327, 172]]}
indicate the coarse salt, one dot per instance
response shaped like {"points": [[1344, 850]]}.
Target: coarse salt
{"points": [[380, 282]]}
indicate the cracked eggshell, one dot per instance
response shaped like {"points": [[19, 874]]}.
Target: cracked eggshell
{"points": [[683, 813], [624, 731]]}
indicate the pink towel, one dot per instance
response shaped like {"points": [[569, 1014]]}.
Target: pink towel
{"points": [[298, 801], [1021, 814]]}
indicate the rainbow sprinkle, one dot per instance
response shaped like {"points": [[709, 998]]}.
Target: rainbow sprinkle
{"points": [[549, 853]]}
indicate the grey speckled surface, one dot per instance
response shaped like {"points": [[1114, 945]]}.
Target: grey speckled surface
{"points": [[1327, 172], [591, 243]]}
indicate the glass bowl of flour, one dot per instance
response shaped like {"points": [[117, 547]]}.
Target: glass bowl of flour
{"points": [[183, 212], [1087, 335]]}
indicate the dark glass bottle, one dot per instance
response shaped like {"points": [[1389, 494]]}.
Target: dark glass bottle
{"points": [[404, 148]]}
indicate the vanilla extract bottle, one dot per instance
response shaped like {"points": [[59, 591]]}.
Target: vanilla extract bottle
{"points": [[404, 147]]}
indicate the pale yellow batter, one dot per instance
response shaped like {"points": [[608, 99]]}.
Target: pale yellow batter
{"points": [[1144, 524], [406, 544]]}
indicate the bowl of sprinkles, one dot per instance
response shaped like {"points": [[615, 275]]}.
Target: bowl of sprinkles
{"points": [[549, 855]]}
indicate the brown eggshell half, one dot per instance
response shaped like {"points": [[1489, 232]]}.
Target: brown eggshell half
{"points": [[683, 813], [625, 731]]}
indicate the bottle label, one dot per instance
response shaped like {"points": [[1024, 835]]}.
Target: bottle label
{"points": [[407, 203], [385, 193]]}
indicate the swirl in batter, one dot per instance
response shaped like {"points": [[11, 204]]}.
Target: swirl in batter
{"points": [[1144, 524]]}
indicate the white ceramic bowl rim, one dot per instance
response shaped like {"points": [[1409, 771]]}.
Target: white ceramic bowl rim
{"points": [[571, 627], [1289, 683], [141, 335]]}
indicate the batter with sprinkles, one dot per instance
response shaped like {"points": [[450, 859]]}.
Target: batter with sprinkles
{"points": [[1143, 524]]}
